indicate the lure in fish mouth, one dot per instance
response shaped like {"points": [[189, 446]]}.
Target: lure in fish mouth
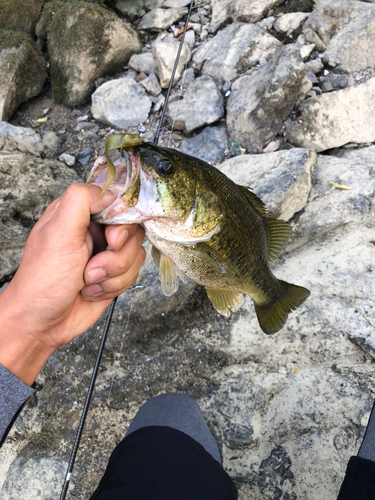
{"points": [[201, 225]]}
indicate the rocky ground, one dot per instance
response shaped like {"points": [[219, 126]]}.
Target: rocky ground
{"points": [[278, 95]]}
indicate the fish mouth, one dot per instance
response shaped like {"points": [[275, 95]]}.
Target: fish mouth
{"points": [[127, 165], [125, 173]]}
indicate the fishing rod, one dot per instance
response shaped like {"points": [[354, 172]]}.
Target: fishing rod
{"points": [[113, 303]]}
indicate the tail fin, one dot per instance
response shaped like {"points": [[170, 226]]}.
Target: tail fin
{"points": [[272, 317]]}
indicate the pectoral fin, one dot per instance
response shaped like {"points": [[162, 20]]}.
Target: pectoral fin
{"points": [[225, 301], [156, 255], [210, 256], [168, 275]]}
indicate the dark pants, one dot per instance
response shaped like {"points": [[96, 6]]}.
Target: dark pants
{"points": [[169, 453]]}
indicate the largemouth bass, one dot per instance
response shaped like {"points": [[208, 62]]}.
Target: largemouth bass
{"points": [[201, 225]]}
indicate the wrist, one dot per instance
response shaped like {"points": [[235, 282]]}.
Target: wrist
{"points": [[21, 352]]}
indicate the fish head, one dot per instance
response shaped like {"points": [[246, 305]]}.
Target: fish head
{"points": [[150, 182]]}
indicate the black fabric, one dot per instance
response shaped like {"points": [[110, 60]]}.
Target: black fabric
{"points": [[359, 481], [161, 463], [367, 449]]}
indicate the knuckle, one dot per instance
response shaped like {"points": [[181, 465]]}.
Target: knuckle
{"points": [[123, 265], [75, 189]]}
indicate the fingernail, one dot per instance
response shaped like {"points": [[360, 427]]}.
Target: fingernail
{"points": [[122, 237], [95, 275], [93, 290]]}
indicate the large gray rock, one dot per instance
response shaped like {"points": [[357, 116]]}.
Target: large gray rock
{"points": [[201, 105], [330, 207], [259, 103], [28, 184], [134, 9], [161, 19], [336, 118], [281, 179], [234, 50], [46, 142], [239, 10], [360, 155], [339, 266], [86, 42], [276, 439], [176, 3], [34, 475], [347, 30], [122, 103], [22, 71], [210, 145], [165, 52], [20, 15]]}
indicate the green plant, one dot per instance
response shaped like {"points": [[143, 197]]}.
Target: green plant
{"points": [[138, 7]]}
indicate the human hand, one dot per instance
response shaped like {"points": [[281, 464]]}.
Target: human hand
{"points": [[61, 288]]}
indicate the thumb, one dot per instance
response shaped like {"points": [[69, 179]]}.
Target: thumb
{"points": [[79, 202]]}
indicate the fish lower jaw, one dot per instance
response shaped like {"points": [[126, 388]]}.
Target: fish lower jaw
{"points": [[119, 213]]}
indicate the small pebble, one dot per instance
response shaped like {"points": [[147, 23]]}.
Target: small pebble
{"points": [[327, 86], [82, 118], [85, 126], [140, 77], [67, 159], [141, 129], [227, 86]]}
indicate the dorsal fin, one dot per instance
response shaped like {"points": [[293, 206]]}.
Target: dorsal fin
{"points": [[254, 201], [279, 232]]}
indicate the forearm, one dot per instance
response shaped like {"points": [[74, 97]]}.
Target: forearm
{"points": [[21, 352]]}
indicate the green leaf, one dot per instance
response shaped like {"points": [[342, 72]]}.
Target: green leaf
{"points": [[42, 120]]}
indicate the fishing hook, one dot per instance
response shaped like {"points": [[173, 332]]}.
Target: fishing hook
{"points": [[113, 303]]}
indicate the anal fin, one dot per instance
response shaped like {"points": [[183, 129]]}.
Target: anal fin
{"points": [[225, 301]]}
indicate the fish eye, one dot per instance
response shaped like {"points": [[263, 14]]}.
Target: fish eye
{"points": [[165, 167]]}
